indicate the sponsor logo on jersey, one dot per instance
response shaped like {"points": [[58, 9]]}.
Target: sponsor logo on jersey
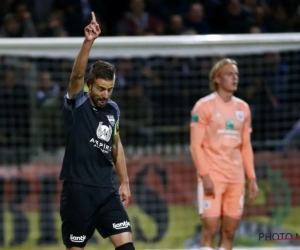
{"points": [[240, 115], [195, 117], [101, 145], [104, 132], [229, 125], [111, 120], [229, 131]]}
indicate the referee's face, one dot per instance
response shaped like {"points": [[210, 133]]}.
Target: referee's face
{"points": [[100, 91]]}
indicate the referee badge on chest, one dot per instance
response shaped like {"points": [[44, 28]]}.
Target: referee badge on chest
{"points": [[240, 115], [104, 132], [111, 120]]}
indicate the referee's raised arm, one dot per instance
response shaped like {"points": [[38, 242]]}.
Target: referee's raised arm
{"points": [[91, 32]]}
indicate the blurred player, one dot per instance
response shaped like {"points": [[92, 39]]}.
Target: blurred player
{"points": [[89, 200], [222, 153]]}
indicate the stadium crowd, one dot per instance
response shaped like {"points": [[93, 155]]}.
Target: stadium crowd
{"points": [[54, 18], [155, 94]]}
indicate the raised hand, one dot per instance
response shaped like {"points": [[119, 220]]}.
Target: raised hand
{"points": [[92, 31]]}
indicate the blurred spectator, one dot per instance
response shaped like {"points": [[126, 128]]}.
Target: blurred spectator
{"points": [[260, 20], [195, 19], [291, 142], [23, 16], [55, 26], [79, 11], [250, 6], [296, 17], [46, 87], [63, 75], [199, 80], [138, 22], [164, 9], [237, 20], [124, 68], [148, 17], [278, 20], [15, 120], [136, 118], [26, 69], [276, 79], [42, 10], [175, 26], [51, 123], [72, 15], [5, 8], [276, 86], [255, 30], [11, 27]]}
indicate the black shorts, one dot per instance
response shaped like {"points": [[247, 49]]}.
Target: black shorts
{"points": [[86, 208]]}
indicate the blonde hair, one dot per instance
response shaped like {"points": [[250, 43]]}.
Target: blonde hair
{"points": [[215, 70]]}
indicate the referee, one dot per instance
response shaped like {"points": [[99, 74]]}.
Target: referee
{"points": [[89, 200]]}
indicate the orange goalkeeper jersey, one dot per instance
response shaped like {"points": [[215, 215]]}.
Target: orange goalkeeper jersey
{"points": [[220, 139]]}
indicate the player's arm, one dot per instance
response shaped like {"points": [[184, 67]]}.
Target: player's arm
{"points": [[120, 164], [248, 158], [92, 31], [119, 156], [199, 121], [119, 159], [247, 152]]}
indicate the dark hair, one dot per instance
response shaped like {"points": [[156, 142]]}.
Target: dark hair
{"points": [[102, 70]]}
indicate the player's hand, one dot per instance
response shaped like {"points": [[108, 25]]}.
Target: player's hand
{"points": [[208, 186], [124, 192], [252, 190], [92, 31]]}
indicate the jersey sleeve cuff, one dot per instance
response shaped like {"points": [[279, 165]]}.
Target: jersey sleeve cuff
{"points": [[76, 101]]}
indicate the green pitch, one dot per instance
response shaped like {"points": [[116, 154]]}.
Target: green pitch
{"points": [[183, 221]]}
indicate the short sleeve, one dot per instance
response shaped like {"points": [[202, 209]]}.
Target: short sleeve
{"points": [[73, 103], [199, 114], [116, 115]]}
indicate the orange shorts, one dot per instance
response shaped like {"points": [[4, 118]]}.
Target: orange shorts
{"points": [[228, 200]]}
